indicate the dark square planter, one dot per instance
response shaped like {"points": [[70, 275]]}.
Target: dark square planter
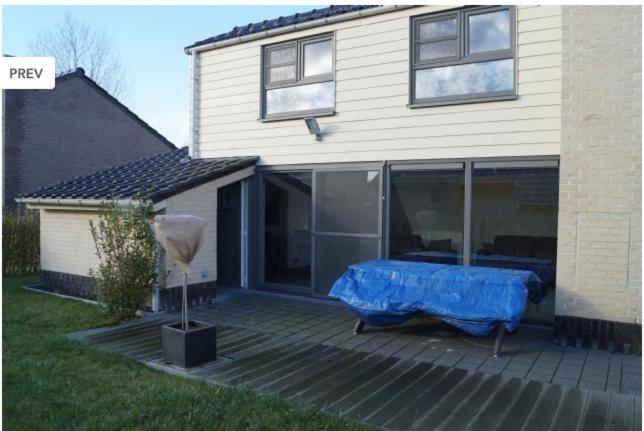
{"points": [[190, 348]]}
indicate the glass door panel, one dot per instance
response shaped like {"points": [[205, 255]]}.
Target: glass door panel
{"points": [[347, 222], [514, 224], [426, 214], [335, 253], [287, 234]]}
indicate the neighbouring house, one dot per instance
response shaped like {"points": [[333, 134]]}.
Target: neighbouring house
{"points": [[506, 136], [72, 130]]}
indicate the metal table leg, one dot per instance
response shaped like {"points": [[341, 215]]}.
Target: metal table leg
{"points": [[500, 330], [359, 326]]}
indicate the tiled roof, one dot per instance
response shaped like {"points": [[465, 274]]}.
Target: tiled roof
{"points": [[160, 176], [283, 21]]}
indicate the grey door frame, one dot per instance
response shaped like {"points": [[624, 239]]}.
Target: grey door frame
{"points": [[245, 241], [377, 166]]}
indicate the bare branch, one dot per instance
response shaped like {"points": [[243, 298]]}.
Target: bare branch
{"points": [[76, 44]]}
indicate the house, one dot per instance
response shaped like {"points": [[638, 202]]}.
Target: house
{"points": [[496, 136], [72, 130]]}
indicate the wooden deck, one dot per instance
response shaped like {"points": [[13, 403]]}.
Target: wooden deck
{"points": [[385, 391]]}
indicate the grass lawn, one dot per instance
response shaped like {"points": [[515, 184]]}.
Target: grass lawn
{"points": [[52, 383]]}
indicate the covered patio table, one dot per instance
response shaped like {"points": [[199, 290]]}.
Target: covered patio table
{"points": [[471, 298]]}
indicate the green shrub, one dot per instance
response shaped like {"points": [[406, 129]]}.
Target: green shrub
{"points": [[20, 241], [125, 246]]}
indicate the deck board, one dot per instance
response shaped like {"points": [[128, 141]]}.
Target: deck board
{"points": [[546, 407], [364, 376], [596, 414], [378, 400], [523, 405], [433, 389], [493, 412], [461, 417], [622, 413], [439, 413], [374, 384]]}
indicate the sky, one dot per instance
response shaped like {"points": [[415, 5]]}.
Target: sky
{"points": [[150, 41]]}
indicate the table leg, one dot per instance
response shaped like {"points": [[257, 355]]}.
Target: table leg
{"points": [[500, 330], [359, 326]]}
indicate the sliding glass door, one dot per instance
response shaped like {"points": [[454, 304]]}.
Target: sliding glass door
{"points": [[499, 214], [426, 213], [316, 222], [347, 222]]}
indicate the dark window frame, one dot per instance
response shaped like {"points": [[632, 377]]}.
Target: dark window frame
{"points": [[298, 80], [463, 57]]}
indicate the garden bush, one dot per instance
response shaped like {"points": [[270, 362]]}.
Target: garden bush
{"points": [[20, 241], [125, 246]]}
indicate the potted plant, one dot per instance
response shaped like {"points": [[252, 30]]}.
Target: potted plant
{"points": [[188, 343]]}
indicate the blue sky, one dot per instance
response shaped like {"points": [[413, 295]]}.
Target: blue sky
{"points": [[150, 41]]}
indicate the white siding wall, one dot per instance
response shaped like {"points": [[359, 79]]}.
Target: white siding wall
{"points": [[372, 121]]}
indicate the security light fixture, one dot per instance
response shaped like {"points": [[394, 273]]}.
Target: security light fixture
{"points": [[314, 128]]}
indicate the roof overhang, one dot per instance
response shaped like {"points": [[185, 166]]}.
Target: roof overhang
{"points": [[94, 204], [296, 27], [218, 183]]}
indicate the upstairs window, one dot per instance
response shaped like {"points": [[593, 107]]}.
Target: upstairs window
{"points": [[298, 78], [463, 56]]}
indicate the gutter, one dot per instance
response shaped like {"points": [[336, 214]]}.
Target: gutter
{"points": [[74, 202], [194, 77], [296, 27]]}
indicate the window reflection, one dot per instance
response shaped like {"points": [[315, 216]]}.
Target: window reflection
{"points": [[287, 219], [348, 202], [434, 29], [426, 215], [347, 208], [489, 31], [514, 226], [489, 76], [282, 73], [282, 55], [300, 98], [432, 50], [318, 58]]}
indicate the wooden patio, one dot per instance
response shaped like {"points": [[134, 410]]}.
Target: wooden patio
{"points": [[305, 350]]}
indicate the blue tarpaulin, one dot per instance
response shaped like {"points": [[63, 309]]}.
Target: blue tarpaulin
{"points": [[472, 298], [543, 268]]}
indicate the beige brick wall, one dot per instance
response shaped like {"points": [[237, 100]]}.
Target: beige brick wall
{"points": [[66, 244], [600, 230], [202, 202]]}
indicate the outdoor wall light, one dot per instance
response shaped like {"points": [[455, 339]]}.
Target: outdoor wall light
{"points": [[314, 128]]}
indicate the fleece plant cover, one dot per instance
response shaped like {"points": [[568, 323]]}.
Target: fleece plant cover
{"points": [[181, 237], [472, 298]]}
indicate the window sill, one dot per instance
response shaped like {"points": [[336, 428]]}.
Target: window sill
{"points": [[297, 116], [462, 101]]}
